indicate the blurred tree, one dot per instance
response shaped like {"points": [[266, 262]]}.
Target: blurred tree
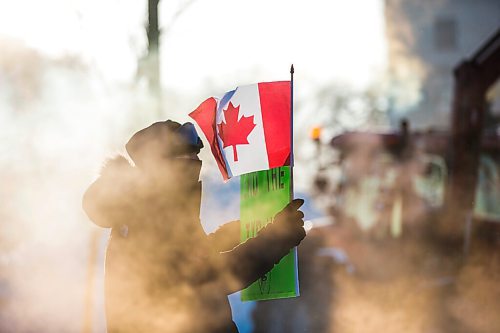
{"points": [[349, 109], [152, 60], [149, 65]]}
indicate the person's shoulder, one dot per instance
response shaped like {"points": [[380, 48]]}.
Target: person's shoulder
{"points": [[116, 165], [107, 196]]}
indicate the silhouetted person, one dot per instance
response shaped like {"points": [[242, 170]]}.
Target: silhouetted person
{"points": [[163, 273]]}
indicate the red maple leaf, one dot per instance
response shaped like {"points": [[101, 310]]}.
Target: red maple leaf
{"points": [[234, 132]]}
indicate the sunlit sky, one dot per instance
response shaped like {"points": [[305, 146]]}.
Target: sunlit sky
{"points": [[224, 41]]}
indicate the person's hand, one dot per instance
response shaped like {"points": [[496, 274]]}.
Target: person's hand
{"points": [[291, 214], [290, 221]]}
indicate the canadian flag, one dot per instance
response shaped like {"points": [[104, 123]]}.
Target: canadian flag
{"points": [[248, 128]]}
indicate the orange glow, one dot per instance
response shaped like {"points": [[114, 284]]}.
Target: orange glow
{"points": [[316, 133]]}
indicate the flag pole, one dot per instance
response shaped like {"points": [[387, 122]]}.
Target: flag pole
{"points": [[296, 256], [292, 71]]}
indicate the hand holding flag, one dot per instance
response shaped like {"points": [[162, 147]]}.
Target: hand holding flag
{"points": [[249, 131]]}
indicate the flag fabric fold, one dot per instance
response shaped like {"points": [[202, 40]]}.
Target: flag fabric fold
{"points": [[248, 129]]}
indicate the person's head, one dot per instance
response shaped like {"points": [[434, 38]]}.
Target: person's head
{"points": [[167, 146]]}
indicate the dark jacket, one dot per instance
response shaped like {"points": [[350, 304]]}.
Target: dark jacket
{"points": [[163, 273]]}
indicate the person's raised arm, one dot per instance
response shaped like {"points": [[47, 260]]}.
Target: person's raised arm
{"points": [[226, 237]]}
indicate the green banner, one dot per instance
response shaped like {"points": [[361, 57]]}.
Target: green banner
{"points": [[263, 194]]}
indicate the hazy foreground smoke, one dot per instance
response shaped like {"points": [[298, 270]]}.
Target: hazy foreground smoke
{"points": [[57, 122], [387, 203]]}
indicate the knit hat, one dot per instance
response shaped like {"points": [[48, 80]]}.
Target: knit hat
{"points": [[163, 140]]}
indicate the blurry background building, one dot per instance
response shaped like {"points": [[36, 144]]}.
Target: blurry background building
{"points": [[426, 40]]}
